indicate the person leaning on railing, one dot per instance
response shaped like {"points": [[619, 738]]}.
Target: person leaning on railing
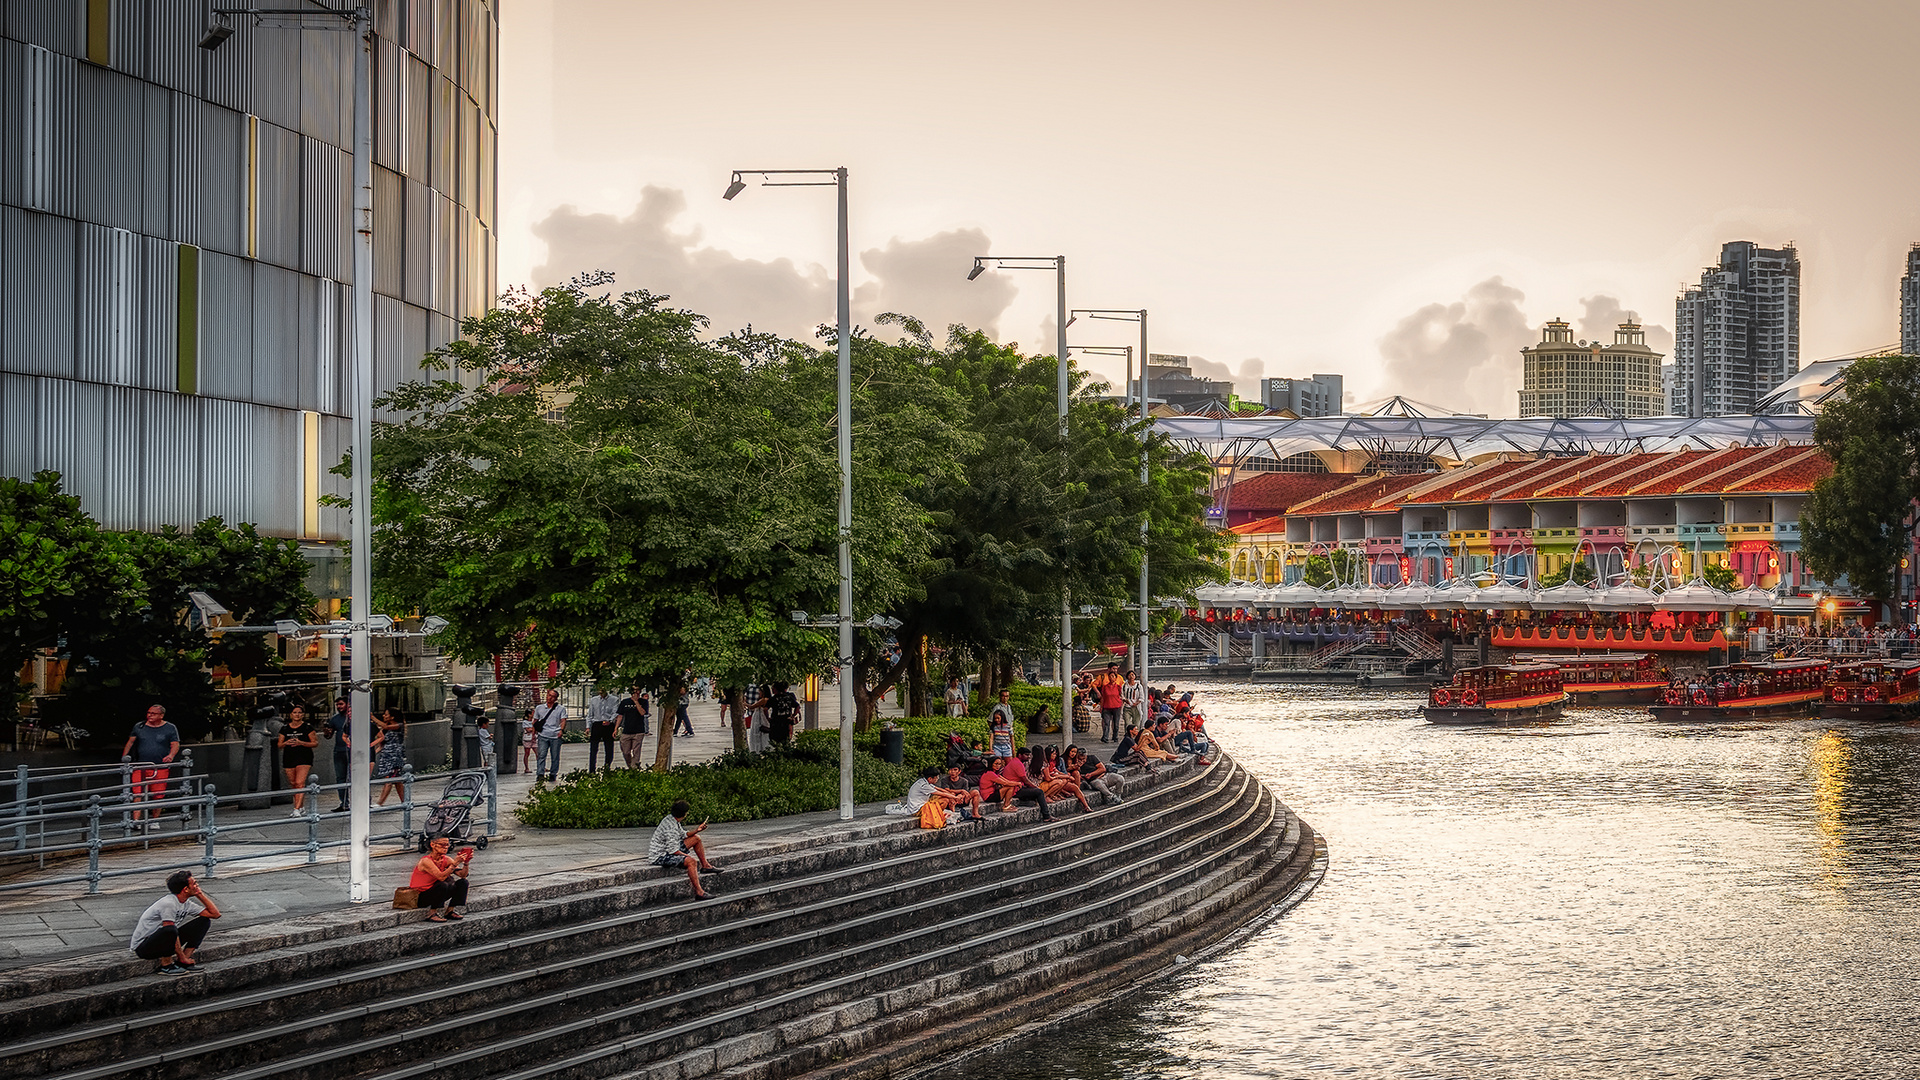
{"points": [[152, 747]]}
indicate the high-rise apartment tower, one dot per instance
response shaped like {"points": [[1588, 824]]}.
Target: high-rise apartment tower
{"points": [[1910, 304], [1736, 335], [1564, 377]]}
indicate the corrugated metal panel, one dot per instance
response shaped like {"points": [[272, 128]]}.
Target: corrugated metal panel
{"points": [[226, 327], [326, 210], [51, 119], [413, 327], [326, 85], [418, 249], [38, 299], [182, 187], [472, 49], [220, 181], [420, 29], [227, 455], [229, 68], [275, 95], [59, 25], [122, 465], [441, 331], [72, 416], [108, 298], [54, 433], [386, 104], [276, 336], [468, 154], [446, 36], [127, 27], [156, 165], [442, 242], [277, 187], [415, 109], [443, 135], [18, 426], [322, 341], [466, 285], [171, 455], [484, 207], [335, 436], [171, 45], [277, 453], [389, 234], [110, 147], [387, 17], [159, 342], [391, 365]]}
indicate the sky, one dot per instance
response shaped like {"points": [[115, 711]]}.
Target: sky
{"points": [[1396, 192]]}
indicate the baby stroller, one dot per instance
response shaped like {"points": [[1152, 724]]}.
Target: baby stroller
{"points": [[452, 816]]}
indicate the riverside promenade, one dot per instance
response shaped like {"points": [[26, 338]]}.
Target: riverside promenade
{"points": [[270, 898]]}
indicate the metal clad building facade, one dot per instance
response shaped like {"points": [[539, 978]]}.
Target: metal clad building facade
{"points": [[176, 258]]}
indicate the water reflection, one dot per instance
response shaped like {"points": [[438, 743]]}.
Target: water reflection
{"points": [[1604, 895]]}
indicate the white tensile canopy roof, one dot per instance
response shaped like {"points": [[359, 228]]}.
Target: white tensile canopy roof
{"points": [[1464, 437]]}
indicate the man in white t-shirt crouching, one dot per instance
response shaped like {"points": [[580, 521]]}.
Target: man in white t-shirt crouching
{"points": [[172, 928]]}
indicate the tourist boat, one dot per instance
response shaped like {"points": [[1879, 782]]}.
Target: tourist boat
{"points": [[1872, 690], [1496, 694], [1606, 678], [1747, 690]]}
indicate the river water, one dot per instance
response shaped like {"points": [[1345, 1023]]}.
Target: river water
{"points": [[1603, 896]]}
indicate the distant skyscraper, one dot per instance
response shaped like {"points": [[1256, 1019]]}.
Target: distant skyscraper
{"points": [[1910, 304], [1318, 396], [1736, 334], [1564, 377]]}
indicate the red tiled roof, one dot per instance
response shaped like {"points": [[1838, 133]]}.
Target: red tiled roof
{"points": [[1277, 492], [1364, 493], [1797, 473], [1736, 460], [1276, 523]]}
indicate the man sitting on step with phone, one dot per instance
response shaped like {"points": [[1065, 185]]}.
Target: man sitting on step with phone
{"points": [[675, 845]]}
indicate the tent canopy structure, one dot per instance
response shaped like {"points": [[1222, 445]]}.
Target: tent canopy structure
{"points": [[1462, 438]]}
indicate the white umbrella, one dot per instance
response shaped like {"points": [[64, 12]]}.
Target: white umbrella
{"points": [[1501, 597], [1754, 598], [1297, 595], [1624, 598], [1452, 593], [1566, 597], [1244, 595], [1407, 597], [1695, 595], [1212, 594]]}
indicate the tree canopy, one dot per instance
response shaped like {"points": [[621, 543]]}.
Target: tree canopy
{"points": [[1855, 523]]}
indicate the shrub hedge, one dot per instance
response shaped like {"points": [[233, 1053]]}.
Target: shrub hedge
{"points": [[744, 787]]}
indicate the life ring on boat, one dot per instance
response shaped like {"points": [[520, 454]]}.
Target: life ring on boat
{"points": [[1674, 696], [1871, 693], [1443, 696], [1469, 698], [1839, 693], [1701, 697]]}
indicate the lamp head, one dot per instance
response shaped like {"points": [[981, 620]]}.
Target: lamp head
{"points": [[736, 187], [797, 616], [433, 624], [218, 31], [979, 267]]}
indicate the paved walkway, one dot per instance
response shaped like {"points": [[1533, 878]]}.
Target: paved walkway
{"points": [[45, 923]]}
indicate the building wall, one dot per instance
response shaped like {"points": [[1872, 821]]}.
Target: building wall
{"points": [[176, 250], [1910, 304], [1320, 395], [1562, 377]]}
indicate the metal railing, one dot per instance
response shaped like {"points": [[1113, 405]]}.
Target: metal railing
{"points": [[97, 824]]}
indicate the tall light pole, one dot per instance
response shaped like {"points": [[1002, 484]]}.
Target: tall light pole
{"points": [[1057, 264], [1146, 440], [359, 20], [844, 421]]}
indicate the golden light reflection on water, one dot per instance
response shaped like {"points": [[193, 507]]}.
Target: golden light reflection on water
{"points": [[1830, 761]]}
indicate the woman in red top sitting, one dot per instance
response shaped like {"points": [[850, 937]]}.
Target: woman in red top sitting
{"points": [[442, 880]]}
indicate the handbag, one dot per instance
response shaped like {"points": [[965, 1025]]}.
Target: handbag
{"points": [[405, 899]]}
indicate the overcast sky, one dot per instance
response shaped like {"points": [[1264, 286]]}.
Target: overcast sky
{"points": [[1397, 192]]}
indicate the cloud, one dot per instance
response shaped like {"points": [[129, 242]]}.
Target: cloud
{"points": [[1604, 314], [925, 278], [1464, 355]]}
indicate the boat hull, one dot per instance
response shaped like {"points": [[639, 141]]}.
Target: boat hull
{"points": [[1869, 710], [1615, 694], [1460, 714], [1741, 708]]}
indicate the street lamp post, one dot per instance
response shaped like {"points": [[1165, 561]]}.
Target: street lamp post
{"points": [[359, 20], [844, 420], [1146, 438], [1057, 264]]}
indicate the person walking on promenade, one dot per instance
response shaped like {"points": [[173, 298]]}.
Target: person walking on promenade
{"points": [[676, 846], [152, 747], [297, 742], [632, 714], [339, 731], [680, 714], [783, 711], [956, 698], [549, 722], [441, 879], [601, 713], [1112, 693], [1000, 726], [1133, 703], [390, 762], [172, 927]]}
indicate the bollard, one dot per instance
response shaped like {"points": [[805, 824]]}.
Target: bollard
{"points": [[207, 829], [313, 819], [493, 804], [406, 805], [20, 790], [93, 844]]}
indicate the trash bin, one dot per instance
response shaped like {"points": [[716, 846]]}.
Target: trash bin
{"points": [[893, 746]]}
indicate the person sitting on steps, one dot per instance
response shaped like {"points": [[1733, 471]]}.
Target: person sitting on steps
{"points": [[999, 785], [172, 927], [441, 880], [1091, 774], [674, 845], [931, 801]]}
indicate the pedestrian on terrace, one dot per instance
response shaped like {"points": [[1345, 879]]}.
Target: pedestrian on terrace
{"points": [[550, 722], [1000, 725], [152, 747], [1133, 704], [956, 698], [632, 715], [1112, 694], [602, 711]]}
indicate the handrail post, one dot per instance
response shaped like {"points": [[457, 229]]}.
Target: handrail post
{"points": [[126, 793], [93, 844], [209, 830], [406, 805], [21, 774], [313, 819], [493, 803]]}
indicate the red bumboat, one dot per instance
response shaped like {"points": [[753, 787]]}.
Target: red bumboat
{"points": [[1873, 690], [1606, 678], [1748, 690], [1502, 693]]}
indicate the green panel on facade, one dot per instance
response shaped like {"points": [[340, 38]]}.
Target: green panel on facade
{"points": [[189, 319]]}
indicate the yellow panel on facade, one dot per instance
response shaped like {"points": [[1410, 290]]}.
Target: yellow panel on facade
{"points": [[310, 475]]}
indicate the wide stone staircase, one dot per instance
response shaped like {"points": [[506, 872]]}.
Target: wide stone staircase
{"points": [[855, 958]]}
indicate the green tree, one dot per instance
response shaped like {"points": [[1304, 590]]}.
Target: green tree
{"points": [[1856, 522], [1334, 568], [1579, 572], [146, 651], [1720, 576], [58, 573]]}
